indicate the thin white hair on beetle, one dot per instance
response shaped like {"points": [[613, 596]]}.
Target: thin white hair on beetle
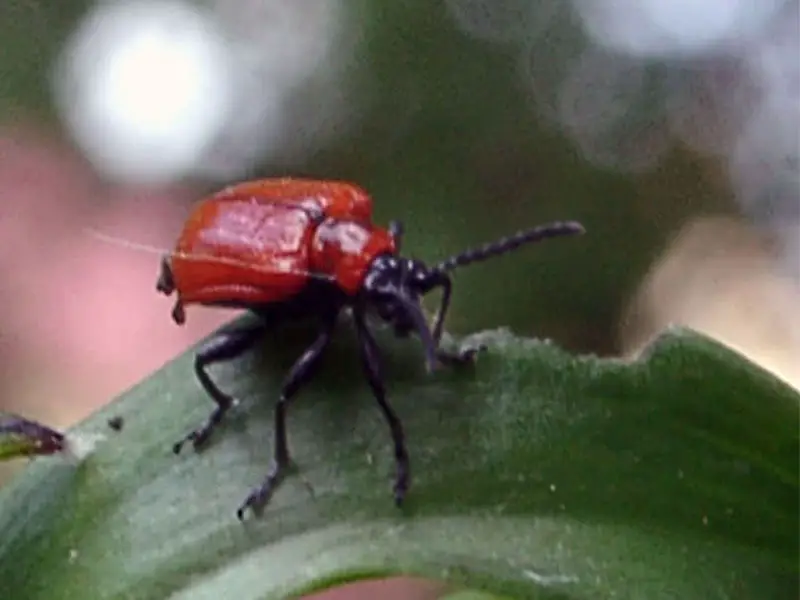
{"points": [[136, 246], [123, 243]]}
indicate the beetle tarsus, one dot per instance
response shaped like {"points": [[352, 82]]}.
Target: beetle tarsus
{"points": [[461, 357], [261, 495], [199, 437]]}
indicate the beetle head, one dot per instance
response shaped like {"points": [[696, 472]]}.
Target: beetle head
{"points": [[393, 287]]}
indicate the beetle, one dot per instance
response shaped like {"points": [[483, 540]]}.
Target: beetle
{"points": [[290, 248]]}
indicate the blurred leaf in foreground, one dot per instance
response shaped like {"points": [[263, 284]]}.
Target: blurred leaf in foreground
{"points": [[536, 474]]}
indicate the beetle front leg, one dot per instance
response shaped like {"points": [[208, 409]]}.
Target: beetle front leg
{"points": [[226, 345], [372, 368], [462, 356]]}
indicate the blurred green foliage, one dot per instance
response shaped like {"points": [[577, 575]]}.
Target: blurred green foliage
{"points": [[33, 34], [449, 142]]}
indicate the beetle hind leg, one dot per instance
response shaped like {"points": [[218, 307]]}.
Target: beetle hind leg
{"points": [[226, 345]]}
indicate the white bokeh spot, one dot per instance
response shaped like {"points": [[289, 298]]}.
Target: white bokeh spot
{"points": [[144, 87], [664, 28]]}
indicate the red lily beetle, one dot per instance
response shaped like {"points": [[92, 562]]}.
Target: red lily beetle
{"points": [[297, 248]]}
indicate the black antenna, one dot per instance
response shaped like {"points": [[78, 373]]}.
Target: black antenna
{"points": [[512, 242]]}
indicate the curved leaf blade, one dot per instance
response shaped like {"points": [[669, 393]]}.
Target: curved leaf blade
{"points": [[537, 475]]}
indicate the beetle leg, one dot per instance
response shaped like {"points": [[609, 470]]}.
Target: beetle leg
{"points": [[372, 367], [166, 281], [460, 357], [300, 374], [226, 345], [178, 313], [463, 356]]}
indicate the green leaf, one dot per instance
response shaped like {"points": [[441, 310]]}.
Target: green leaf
{"points": [[536, 474]]}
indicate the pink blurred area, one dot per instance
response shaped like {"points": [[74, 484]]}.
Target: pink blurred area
{"points": [[81, 318]]}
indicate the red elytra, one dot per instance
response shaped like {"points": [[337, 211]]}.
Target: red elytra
{"points": [[300, 248], [257, 242]]}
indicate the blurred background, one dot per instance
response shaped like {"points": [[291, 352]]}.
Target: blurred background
{"points": [[668, 127]]}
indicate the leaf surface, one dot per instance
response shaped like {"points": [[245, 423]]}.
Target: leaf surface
{"points": [[535, 474]]}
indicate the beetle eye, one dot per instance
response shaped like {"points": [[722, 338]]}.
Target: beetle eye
{"points": [[385, 309]]}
